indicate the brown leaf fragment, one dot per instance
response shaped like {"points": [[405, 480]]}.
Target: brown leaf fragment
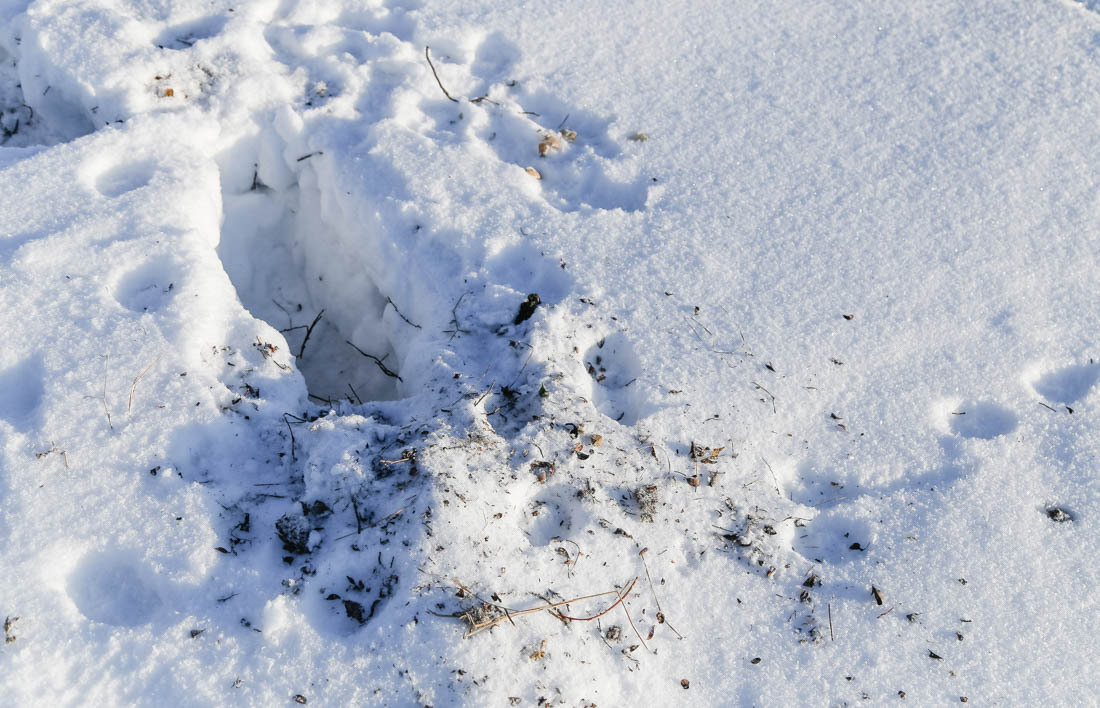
{"points": [[549, 143]]}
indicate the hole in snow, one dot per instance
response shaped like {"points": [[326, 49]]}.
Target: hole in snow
{"points": [[310, 281]]}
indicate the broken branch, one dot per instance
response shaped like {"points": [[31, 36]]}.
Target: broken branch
{"points": [[385, 369], [309, 331]]}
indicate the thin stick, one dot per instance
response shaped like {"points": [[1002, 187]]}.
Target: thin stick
{"points": [[293, 457], [650, 579], [774, 480], [289, 319], [383, 367], [134, 385], [358, 519], [832, 637], [454, 320], [482, 398], [622, 596], [355, 394], [390, 301], [654, 591], [441, 88], [488, 624], [309, 331], [631, 621], [106, 358], [767, 392], [529, 355]]}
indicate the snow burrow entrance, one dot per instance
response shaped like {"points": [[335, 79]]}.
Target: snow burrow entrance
{"points": [[310, 281]]}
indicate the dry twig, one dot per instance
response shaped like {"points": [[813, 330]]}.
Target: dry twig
{"points": [[385, 370], [479, 621], [133, 386], [106, 358], [428, 56], [309, 331]]}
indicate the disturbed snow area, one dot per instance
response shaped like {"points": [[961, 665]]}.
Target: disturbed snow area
{"points": [[803, 412]]}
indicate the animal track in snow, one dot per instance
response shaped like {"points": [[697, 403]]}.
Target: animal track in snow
{"points": [[833, 536], [982, 419], [110, 587], [1068, 384], [549, 518], [614, 368], [186, 34], [126, 177], [378, 17], [149, 287], [21, 391], [574, 170], [578, 159]]}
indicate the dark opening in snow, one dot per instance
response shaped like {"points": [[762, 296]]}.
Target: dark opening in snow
{"points": [[301, 276]]}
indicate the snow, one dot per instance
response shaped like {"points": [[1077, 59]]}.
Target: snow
{"points": [[808, 399]]}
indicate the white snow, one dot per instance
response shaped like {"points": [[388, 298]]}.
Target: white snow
{"points": [[817, 330]]}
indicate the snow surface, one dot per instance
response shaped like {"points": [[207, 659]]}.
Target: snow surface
{"points": [[811, 385]]}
